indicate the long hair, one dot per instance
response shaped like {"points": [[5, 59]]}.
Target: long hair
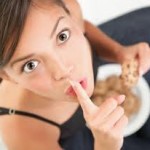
{"points": [[13, 15]]}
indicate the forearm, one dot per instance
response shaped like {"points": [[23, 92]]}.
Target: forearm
{"points": [[104, 46]]}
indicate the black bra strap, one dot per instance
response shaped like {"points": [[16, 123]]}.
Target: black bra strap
{"points": [[7, 111]]}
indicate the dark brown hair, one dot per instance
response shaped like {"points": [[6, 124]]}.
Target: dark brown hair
{"points": [[13, 14]]}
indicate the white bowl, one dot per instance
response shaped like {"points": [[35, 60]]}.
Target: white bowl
{"points": [[142, 90]]}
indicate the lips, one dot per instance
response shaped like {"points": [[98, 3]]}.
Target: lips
{"points": [[70, 90], [83, 83]]}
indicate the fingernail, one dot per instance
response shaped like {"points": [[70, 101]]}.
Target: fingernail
{"points": [[121, 98]]}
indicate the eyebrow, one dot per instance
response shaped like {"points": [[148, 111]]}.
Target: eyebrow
{"points": [[56, 25], [21, 59], [31, 55]]}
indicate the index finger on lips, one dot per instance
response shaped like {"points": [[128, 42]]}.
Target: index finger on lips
{"points": [[85, 102]]}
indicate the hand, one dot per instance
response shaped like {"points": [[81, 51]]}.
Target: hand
{"points": [[140, 51], [106, 122]]}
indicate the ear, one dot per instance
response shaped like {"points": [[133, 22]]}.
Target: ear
{"points": [[4, 75]]}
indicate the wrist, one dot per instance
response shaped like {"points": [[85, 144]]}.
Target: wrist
{"points": [[119, 53]]}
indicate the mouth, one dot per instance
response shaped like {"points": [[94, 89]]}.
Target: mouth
{"points": [[70, 91]]}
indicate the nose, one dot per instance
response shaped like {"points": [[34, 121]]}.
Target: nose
{"points": [[59, 70], [62, 72]]}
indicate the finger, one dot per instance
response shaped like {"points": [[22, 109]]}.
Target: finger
{"points": [[144, 54], [114, 117], [109, 105], [120, 99], [85, 102], [141, 63], [121, 124]]}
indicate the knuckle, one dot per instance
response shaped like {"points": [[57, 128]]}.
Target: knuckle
{"points": [[112, 101], [126, 119], [87, 116], [120, 110], [94, 125], [104, 130], [99, 128], [116, 137], [108, 134]]}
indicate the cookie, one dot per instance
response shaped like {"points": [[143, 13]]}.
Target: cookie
{"points": [[130, 73], [112, 87]]}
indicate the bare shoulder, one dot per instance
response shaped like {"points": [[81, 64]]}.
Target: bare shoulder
{"points": [[21, 133]]}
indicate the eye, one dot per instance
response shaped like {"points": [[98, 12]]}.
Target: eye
{"points": [[63, 36], [30, 66]]}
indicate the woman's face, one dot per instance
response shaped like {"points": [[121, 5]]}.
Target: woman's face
{"points": [[51, 50]]}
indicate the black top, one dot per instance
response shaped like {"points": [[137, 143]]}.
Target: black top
{"points": [[74, 133]]}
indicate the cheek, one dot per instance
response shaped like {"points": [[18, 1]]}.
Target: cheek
{"points": [[84, 57], [37, 84], [80, 52], [83, 61]]}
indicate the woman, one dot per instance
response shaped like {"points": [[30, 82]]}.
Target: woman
{"points": [[46, 68]]}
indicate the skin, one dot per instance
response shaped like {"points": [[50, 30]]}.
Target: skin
{"points": [[43, 89], [58, 61], [111, 50], [53, 68], [106, 122]]}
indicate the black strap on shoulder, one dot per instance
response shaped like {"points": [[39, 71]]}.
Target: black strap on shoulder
{"points": [[9, 111]]}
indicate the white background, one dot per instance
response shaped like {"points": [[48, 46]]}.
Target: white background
{"points": [[98, 11]]}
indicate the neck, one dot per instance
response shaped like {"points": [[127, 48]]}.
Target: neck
{"points": [[48, 108]]}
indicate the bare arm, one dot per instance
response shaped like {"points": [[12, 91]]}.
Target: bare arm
{"points": [[111, 50], [104, 46]]}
